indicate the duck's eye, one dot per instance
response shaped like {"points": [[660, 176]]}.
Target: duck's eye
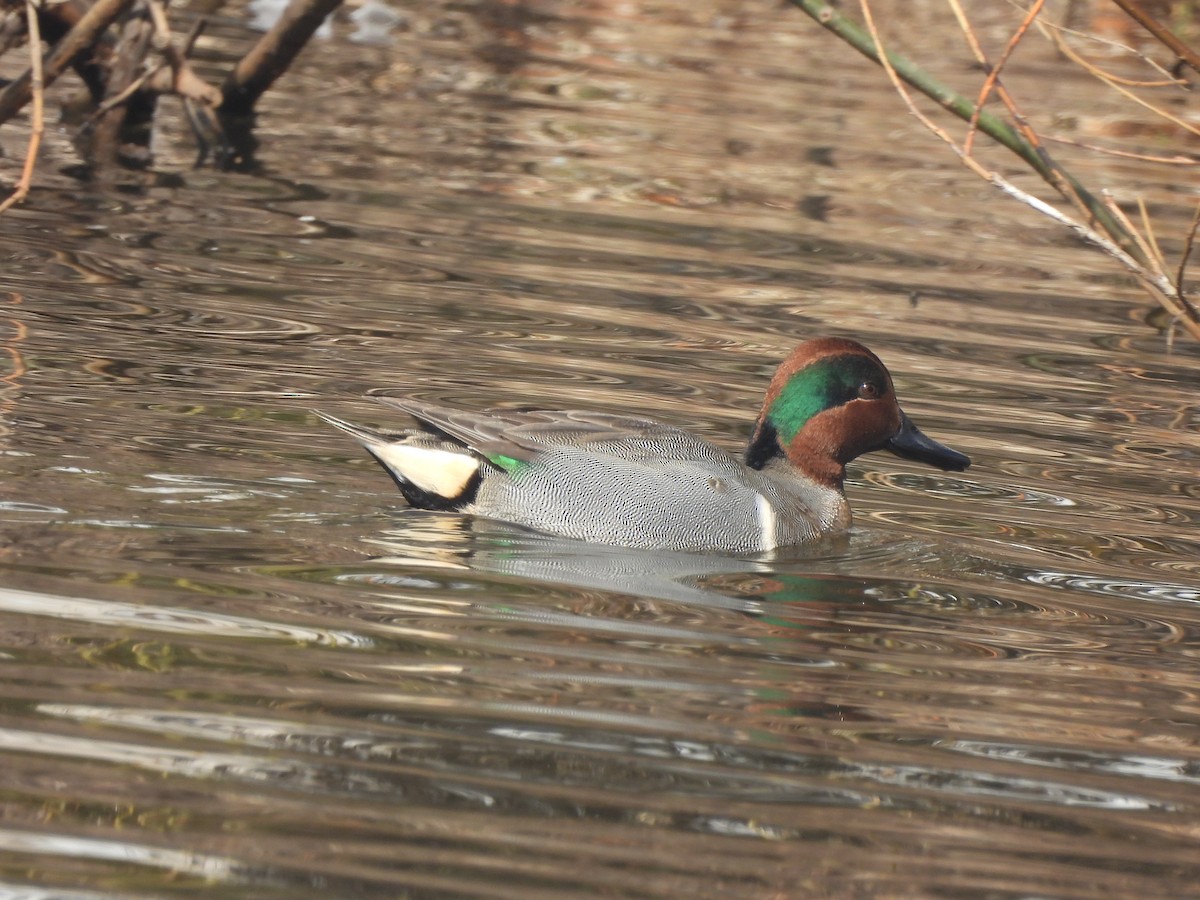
{"points": [[868, 390]]}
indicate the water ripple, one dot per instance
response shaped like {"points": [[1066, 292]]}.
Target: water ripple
{"points": [[1140, 590], [205, 866], [167, 620]]}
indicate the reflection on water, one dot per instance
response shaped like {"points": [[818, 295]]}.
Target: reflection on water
{"points": [[232, 661]]}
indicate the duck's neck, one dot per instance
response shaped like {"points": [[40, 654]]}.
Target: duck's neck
{"points": [[807, 455], [817, 464]]}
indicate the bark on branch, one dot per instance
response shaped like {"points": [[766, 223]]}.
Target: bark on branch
{"points": [[272, 55], [83, 35], [1138, 13]]}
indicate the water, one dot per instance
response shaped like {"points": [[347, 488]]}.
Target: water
{"points": [[234, 664]]}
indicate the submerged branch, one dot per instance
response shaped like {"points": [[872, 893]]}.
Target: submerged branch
{"points": [[125, 82], [272, 55], [257, 71]]}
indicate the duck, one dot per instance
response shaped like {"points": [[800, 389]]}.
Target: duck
{"points": [[643, 484]]}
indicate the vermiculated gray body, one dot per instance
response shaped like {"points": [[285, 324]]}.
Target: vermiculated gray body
{"points": [[678, 493], [604, 478]]}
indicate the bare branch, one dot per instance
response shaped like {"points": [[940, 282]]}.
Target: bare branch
{"points": [[272, 55], [1067, 51], [991, 125], [83, 35], [1169, 78], [1187, 252], [1151, 237], [1142, 266], [37, 123], [992, 82], [1176, 160], [1136, 12]]}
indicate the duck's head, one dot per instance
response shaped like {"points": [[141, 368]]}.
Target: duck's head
{"points": [[830, 401]]}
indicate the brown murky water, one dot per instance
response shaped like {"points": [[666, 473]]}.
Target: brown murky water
{"points": [[232, 663]]}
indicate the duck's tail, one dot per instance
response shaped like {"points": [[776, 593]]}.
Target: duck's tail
{"points": [[431, 472]]}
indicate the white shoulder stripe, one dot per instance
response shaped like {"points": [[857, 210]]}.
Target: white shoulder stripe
{"points": [[767, 522]]}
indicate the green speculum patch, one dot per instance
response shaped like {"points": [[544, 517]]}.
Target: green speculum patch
{"points": [[509, 464]]}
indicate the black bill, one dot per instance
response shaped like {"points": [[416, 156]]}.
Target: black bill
{"points": [[910, 443]]}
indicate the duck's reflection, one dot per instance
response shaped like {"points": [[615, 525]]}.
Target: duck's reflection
{"points": [[741, 583]]}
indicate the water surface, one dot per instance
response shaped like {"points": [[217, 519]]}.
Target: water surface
{"points": [[233, 663]]}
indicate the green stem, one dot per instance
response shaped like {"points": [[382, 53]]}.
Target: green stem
{"points": [[990, 124]]}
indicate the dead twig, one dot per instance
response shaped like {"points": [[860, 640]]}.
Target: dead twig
{"points": [[1147, 250], [1169, 79], [1057, 178], [173, 74], [1151, 237], [1103, 76], [1105, 225], [990, 124], [1135, 11], [55, 19], [177, 76], [84, 34], [256, 72], [124, 86], [992, 82], [1150, 276], [1188, 245], [183, 82], [1177, 160], [37, 121]]}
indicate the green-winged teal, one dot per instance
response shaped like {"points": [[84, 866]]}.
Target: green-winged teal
{"points": [[639, 483]]}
